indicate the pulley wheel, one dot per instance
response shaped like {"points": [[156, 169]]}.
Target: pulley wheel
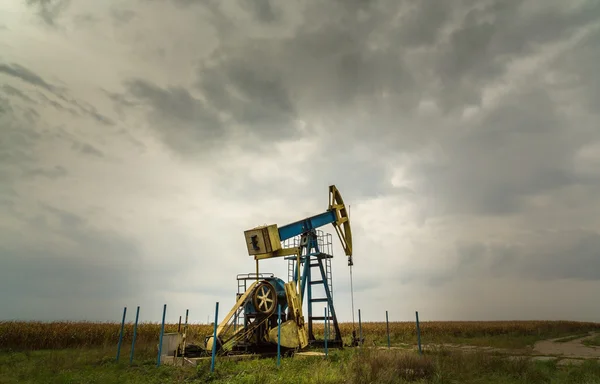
{"points": [[264, 298]]}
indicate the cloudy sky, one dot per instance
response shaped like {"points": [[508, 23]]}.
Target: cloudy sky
{"points": [[140, 138]]}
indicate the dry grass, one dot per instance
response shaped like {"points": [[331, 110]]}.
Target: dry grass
{"points": [[58, 335], [389, 366]]}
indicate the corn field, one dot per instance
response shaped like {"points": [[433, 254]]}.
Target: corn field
{"points": [[59, 335]]}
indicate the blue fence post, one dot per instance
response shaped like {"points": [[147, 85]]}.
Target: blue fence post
{"points": [[278, 335], [137, 315], [162, 332], [185, 328], [419, 333], [387, 325], [214, 346], [325, 333], [360, 338], [121, 333]]}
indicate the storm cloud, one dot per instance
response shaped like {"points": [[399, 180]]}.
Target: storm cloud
{"points": [[464, 136]]}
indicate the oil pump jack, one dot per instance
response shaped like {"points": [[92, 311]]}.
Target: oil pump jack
{"points": [[252, 324]]}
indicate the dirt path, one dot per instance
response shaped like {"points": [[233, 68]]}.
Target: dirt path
{"points": [[574, 349], [565, 352]]}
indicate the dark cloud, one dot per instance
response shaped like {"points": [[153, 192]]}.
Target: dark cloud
{"points": [[49, 10], [85, 19], [576, 70], [72, 105], [18, 140], [50, 172], [519, 149], [572, 254], [264, 10], [87, 149], [122, 16], [57, 105], [489, 38], [12, 91], [253, 95], [22, 73], [577, 256], [91, 264], [184, 122]]}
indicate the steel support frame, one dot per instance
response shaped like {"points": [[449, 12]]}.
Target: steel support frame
{"points": [[311, 256]]}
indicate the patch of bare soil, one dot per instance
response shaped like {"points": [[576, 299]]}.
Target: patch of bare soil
{"points": [[570, 349], [565, 352]]}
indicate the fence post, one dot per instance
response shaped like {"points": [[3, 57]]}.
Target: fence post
{"points": [[387, 325], [185, 327], [214, 346], [137, 315], [325, 333], [162, 332], [278, 335], [121, 333], [419, 333], [360, 338]]}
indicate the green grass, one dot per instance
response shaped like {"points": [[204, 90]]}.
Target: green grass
{"points": [[592, 341], [343, 366], [85, 353], [571, 338], [509, 340]]}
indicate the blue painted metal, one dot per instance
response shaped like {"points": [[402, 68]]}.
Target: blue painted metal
{"points": [[279, 286], [137, 316], [360, 338], [185, 328], [278, 335], [387, 325], [162, 332], [312, 256], [325, 332], [214, 346], [302, 226], [419, 333], [121, 333]]}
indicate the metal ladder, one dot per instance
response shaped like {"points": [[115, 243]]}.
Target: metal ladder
{"points": [[318, 315], [291, 270], [329, 277]]}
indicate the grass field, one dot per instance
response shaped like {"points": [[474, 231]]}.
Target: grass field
{"points": [[85, 353]]}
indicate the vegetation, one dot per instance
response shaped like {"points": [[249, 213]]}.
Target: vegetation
{"points": [[571, 338], [516, 334], [351, 365], [593, 341], [63, 352]]}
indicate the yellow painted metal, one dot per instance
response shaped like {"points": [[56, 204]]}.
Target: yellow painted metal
{"points": [[290, 336], [227, 317], [342, 223], [292, 251], [295, 313], [262, 240]]}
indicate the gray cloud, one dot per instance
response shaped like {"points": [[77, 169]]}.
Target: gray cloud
{"points": [[12, 91], [87, 149], [518, 150], [49, 10], [264, 10], [122, 16], [549, 256], [51, 172], [26, 75], [183, 121], [464, 134], [94, 264]]}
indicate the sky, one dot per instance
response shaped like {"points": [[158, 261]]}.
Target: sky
{"points": [[140, 138]]}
